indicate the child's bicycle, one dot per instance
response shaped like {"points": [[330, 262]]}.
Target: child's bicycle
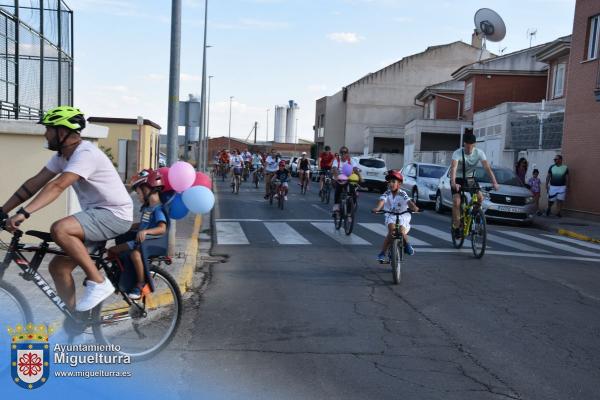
{"points": [[396, 249], [141, 328], [472, 221]]}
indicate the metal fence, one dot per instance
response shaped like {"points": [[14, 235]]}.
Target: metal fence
{"points": [[36, 62]]}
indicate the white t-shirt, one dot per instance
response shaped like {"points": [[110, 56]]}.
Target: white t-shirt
{"points": [[397, 203], [236, 161], [471, 161], [351, 162], [99, 185], [272, 164]]}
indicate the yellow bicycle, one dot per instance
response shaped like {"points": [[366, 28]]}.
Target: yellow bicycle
{"points": [[472, 221]]}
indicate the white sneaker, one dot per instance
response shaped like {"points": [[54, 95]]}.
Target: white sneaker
{"points": [[94, 294]]}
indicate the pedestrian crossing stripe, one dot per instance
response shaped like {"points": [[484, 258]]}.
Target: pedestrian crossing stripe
{"points": [[232, 233]]}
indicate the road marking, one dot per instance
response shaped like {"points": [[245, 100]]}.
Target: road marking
{"points": [[230, 233], [382, 230], [272, 220], [511, 243], [339, 235], [438, 233], [509, 254], [285, 234], [549, 243], [318, 207], [575, 241]]}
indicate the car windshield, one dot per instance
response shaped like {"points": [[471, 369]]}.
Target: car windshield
{"points": [[372, 163], [431, 171], [503, 176]]}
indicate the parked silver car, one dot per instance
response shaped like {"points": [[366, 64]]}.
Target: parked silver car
{"points": [[512, 202], [421, 181]]}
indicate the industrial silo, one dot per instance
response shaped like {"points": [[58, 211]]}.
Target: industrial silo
{"points": [[290, 125], [280, 114]]}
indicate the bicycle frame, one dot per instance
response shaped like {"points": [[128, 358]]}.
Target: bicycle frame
{"points": [[467, 207]]}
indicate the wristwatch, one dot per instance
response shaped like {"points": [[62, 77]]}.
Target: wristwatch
{"points": [[22, 211]]}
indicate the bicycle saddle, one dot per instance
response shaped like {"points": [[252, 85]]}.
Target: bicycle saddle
{"points": [[45, 236]]}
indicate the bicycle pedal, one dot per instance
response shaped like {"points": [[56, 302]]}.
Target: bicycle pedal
{"points": [[28, 276]]}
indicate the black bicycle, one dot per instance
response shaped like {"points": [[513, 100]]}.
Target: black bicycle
{"points": [[347, 213], [396, 249], [142, 328], [325, 193]]}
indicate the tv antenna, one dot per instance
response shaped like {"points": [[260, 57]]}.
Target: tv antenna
{"points": [[531, 33], [489, 26], [501, 49]]}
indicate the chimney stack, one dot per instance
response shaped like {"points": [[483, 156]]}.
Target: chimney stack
{"points": [[476, 40]]}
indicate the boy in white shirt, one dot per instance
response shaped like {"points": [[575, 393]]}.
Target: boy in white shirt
{"points": [[395, 200]]}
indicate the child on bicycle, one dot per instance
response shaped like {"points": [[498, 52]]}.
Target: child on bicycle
{"points": [[147, 184], [395, 199], [283, 176]]}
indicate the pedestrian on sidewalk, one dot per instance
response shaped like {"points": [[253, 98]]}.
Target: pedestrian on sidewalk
{"points": [[521, 169], [535, 184], [557, 183]]}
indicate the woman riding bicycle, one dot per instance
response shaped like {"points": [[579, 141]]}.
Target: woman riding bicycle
{"points": [[107, 207], [304, 169], [337, 169], [271, 162], [395, 200]]}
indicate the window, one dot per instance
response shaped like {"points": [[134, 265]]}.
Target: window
{"points": [[468, 95], [432, 109], [559, 80], [371, 163], [426, 111], [593, 37]]}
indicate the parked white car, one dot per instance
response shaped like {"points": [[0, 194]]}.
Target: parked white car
{"points": [[421, 181], [373, 172]]}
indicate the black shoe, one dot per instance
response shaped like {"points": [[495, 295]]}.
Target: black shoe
{"points": [[547, 212], [266, 196], [559, 215], [457, 233]]}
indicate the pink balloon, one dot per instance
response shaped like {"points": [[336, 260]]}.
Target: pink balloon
{"points": [[164, 171], [202, 180], [181, 176], [342, 177]]}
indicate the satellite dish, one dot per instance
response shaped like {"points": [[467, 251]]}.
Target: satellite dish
{"points": [[489, 25]]}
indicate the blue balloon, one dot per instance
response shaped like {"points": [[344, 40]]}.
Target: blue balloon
{"points": [[177, 209], [199, 199]]}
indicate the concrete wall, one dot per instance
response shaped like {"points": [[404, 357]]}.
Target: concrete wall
{"points": [[581, 142], [335, 121], [387, 96], [414, 130]]}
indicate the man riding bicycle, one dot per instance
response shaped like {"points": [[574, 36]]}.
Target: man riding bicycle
{"points": [[325, 162], [465, 160], [107, 207], [304, 169], [272, 164]]}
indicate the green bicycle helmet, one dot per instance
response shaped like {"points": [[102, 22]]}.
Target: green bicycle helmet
{"points": [[66, 116]]}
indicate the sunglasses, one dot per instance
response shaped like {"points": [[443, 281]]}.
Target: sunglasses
{"points": [[343, 152]]}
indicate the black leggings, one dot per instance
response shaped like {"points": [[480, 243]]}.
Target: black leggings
{"points": [[338, 191]]}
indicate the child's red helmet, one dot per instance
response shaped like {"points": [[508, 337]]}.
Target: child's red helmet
{"points": [[394, 174]]}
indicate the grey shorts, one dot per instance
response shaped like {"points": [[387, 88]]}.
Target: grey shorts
{"points": [[100, 225]]}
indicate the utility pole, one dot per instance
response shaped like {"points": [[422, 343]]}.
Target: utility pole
{"points": [[255, 130], [201, 141], [206, 136], [173, 115]]}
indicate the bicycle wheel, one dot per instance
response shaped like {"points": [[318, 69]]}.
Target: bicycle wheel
{"points": [[280, 200], [141, 332], [14, 310], [338, 217], [237, 184], [478, 233], [271, 195], [396, 260], [350, 213], [327, 194]]}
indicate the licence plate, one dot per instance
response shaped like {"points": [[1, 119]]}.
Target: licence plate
{"points": [[370, 173], [510, 209]]}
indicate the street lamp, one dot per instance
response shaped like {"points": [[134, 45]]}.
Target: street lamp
{"points": [[206, 136], [203, 94], [229, 144], [267, 130]]}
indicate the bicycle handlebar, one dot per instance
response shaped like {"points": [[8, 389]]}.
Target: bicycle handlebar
{"points": [[394, 212]]}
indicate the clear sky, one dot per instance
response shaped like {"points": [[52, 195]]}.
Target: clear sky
{"points": [[267, 52]]}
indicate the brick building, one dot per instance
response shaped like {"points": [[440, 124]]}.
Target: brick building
{"points": [[581, 143]]}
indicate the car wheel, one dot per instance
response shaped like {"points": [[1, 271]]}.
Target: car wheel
{"points": [[439, 206], [415, 195]]}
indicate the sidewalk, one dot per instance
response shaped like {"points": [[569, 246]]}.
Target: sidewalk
{"points": [[575, 228], [185, 253]]}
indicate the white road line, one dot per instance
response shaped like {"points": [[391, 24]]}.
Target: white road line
{"points": [[285, 234], [551, 244], [272, 220], [575, 241], [438, 233], [382, 230], [339, 236], [509, 254], [230, 233], [511, 243]]}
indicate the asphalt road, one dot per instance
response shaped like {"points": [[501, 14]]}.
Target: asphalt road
{"points": [[321, 319]]}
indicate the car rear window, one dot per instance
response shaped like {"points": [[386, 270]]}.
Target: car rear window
{"points": [[371, 163], [431, 171]]}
